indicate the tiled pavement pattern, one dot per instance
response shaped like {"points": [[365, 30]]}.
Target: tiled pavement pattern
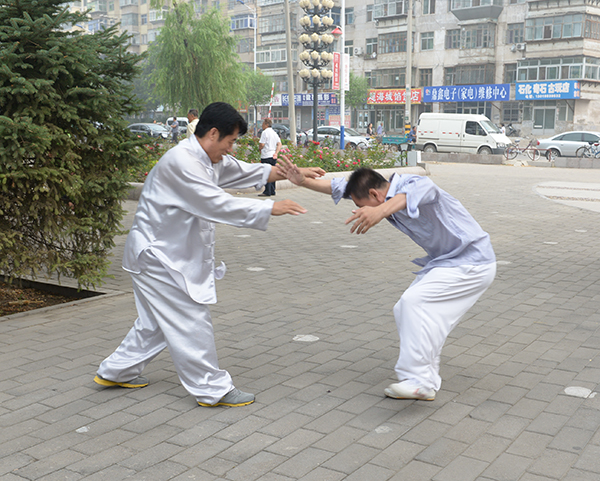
{"points": [[320, 413]]}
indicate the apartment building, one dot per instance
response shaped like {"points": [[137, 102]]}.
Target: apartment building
{"points": [[533, 63]]}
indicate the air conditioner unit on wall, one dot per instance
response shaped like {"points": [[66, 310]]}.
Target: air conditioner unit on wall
{"points": [[358, 51], [521, 46], [513, 48]]}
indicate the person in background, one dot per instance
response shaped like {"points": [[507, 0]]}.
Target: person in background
{"points": [[370, 132], [269, 145], [380, 129], [192, 116], [503, 129], [174, 129]]}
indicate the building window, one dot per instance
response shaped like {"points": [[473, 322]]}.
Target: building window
{"points": [[155, 15], [144, 39], [565, 108], [469, 74], [427, 41], [453, 38], [245, 45], [391, 77], [143, 19], [510, 73], [545, 28], [592, 27], [512, 2], [515, 33], [349, 16], [458, 4], [242, 21], [274, 23], [428, 7], [392, 42], [124, 3], [478, 36], [262, 3], [510, 111], [567, 68], [371, 46], [425, 77], [274, 54], [389, 8], [152, 34], [370, 13], [349, 47], [129, 19]]}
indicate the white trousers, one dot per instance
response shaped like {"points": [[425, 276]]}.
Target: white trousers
{"points": [[428, 311], [168, 317]]}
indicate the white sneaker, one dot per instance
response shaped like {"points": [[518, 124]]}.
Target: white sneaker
{"points": [[409, 390]]}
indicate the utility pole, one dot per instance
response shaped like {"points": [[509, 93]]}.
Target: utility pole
{"points": [[409, 47], [290, 71]]}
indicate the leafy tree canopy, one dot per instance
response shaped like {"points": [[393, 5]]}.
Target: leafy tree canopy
{"points": [[64, 148], [359, 91], [196, 63], [258, 87]]}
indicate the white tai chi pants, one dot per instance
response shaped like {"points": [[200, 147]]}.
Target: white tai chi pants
{"points": [[168, 317], [428, 311]]}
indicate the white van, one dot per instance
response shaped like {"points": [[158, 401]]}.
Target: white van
{"points": [[470, 133]]}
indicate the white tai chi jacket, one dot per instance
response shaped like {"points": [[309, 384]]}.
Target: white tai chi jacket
{"points": [[180, 203]]}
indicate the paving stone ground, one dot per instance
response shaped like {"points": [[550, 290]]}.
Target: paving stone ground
{"points": [[320, 415]]}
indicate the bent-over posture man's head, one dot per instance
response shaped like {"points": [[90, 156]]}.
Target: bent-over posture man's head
{"points": [[366, 187]]}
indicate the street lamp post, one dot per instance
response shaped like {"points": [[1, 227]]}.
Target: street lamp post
{"points": [[316, 42]]}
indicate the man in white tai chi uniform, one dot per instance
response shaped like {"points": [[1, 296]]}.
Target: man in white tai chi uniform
{"points": [[170, 255], [460, 263]]}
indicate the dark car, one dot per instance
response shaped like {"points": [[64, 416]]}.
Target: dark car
{"points": [[282, 130], [151, 130]]}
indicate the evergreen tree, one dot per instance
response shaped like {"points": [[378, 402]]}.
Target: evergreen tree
{"points": [[64, 148], [196, 62]]}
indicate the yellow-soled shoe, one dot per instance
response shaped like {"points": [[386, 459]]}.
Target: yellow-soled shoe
{"points": [[139, 381], [233, 398]]}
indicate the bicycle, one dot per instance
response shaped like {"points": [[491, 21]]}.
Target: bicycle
{"points": [[530, 150], [590, 151]]}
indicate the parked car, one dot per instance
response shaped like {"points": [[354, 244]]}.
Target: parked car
{"points": [[282, 130], [567, 143], [151, 130], [329, 134]]}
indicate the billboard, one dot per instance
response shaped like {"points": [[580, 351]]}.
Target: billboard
{"points": [[556, 89], [467, 93]]}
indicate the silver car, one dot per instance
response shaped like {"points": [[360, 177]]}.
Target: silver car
{"points": [[567, 143], [331, 135]]}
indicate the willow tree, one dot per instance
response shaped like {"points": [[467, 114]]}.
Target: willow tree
{"points": [[196, 61], [64, 148]]}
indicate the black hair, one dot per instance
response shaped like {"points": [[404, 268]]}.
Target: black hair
{"points": [[361, 181], [193, 112], [223, 117]]}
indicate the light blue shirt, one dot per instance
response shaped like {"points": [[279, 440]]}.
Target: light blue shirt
{"points": [[436, 221]]}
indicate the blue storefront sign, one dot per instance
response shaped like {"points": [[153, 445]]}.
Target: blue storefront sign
{"points": [[467, 93], [306, 100], [557, 89]]}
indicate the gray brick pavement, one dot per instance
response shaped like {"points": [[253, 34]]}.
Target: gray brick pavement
{"points": [[320, 413]]}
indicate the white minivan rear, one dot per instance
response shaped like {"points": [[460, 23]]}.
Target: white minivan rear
{"points": [[468, 133]]}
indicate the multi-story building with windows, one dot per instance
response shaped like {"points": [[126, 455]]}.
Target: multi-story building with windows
{"points": [[532, 63]]}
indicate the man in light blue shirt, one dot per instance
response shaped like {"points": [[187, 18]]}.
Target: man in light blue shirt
{"points": [[459, 266]]}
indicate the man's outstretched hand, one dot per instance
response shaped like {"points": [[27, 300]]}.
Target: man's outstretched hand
{"points": [[287, 206], [295, 174], [365, 218]]}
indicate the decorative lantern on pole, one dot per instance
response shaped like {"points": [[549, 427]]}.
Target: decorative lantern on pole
{"points": [[316, 42]]}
